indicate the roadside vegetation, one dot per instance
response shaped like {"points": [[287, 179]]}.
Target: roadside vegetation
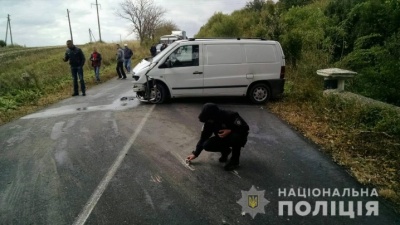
{"points": [[363, 36], [31, 78]]}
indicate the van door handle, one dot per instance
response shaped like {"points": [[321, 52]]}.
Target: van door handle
{"points": [[197, 72]]}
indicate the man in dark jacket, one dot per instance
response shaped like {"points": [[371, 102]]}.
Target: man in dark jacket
{"points": [[153, 50], [120, 63], [128, 53], [76, 60], [230, 134]]}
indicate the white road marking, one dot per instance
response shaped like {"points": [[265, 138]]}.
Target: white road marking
{"points": [[82, 217]]}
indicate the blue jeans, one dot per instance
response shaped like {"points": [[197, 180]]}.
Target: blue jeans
{"points": [[77, 72], [97, 72], [127, 63]]}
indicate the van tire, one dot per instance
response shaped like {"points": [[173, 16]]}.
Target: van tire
{"points": [[161, 94], [259, 93]]}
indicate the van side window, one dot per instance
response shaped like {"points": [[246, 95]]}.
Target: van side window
{"points": [[185, 56]]}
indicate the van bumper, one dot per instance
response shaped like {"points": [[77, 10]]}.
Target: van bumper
{"points": [[138, 87], [277, 87]]}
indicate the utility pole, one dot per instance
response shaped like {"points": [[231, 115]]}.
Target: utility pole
{"points": [[91, 35], [70, 30], [98, 19], [9, 26]]}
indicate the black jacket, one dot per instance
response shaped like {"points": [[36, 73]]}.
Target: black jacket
{"points": [[75, 56], [128, 53], [221, 119]]}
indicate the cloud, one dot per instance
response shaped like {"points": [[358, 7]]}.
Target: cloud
{"points": [[45, 22]]}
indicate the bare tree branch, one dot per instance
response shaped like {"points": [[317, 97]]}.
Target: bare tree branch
{"points": [[144, 17]]}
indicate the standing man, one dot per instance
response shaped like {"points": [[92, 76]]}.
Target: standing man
{"points": [[76, 61], [127, 58], [95, 57], [230, 134], [120, 63], [164, 46], [153, 50]]}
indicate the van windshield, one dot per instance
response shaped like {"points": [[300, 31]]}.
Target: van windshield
{"points": [[161, 54]]}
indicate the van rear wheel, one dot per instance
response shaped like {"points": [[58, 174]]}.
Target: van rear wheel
{"points": [[159, 95], [260, 93]]}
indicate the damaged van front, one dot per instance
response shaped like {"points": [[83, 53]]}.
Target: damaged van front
{"points": [[145, 84]]}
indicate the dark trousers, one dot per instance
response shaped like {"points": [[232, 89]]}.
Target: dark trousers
{"points": [[77, 72], [120, 69], [224, 145]]}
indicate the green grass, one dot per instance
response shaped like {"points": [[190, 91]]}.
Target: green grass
{"points": [[31, 78]]}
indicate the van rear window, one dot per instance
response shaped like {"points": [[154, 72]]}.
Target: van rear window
{"points": [[224, 54], [260, 53]]}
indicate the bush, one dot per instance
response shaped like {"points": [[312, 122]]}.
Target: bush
{"points": [[7, 104]]}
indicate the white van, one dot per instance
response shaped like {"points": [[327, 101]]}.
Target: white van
{"points": [[213, 67]]}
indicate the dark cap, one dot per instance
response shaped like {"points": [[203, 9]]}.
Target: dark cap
{"points": [[210, 111]]}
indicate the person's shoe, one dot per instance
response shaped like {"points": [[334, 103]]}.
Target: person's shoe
{"points": [[231, 166], [83, 94], [75, 94], [124, 78], [223, 159]]}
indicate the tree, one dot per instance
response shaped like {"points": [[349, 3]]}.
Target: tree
{"points": [[144, 15], [164, 28], [3, 43], [287, 4], [256, 5], [303, 31]]}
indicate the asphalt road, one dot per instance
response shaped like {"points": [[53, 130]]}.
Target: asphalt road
{"points": [[100, 160]]}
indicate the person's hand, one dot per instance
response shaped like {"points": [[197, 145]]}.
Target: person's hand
{"points": [[223, 133], [190, 157]]}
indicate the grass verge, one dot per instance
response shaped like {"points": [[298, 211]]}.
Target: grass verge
{"points": [[362, 136], [32, 78]]}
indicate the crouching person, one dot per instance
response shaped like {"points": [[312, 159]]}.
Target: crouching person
{"points": [[223, 131]]}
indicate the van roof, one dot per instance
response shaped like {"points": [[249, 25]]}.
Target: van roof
{"points": [[228, 40]]}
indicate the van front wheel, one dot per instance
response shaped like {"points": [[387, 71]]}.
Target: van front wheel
{"points": [[159, 94], [259, 93]]}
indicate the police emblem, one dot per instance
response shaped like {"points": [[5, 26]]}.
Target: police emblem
{"points": [[238, 122], [253, 202]]}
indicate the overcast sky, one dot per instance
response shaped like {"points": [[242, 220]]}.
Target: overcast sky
{"points": [[45, 22]]}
